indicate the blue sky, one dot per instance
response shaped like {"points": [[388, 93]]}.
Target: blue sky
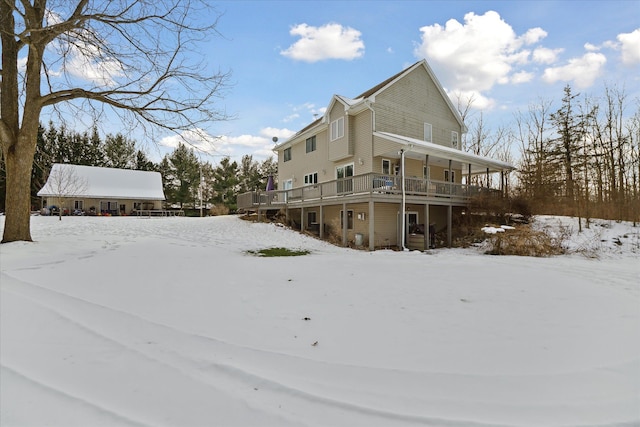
{"points": [[287, 58]]}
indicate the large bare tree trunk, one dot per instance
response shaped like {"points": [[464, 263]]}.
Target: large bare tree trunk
{"points": [[18, 198], [19, 142]]}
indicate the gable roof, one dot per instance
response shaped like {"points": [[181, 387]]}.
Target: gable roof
{"points": [[103, 183], [372, 92]]}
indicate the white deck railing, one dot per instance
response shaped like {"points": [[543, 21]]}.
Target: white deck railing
{"points": [[371, 183]]}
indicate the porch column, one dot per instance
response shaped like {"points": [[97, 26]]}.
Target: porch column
{"points": [[449, 230], [372, 230], [286, 215], [321, 222], [487, 177], [427, 237], [345, 224], [450, 178], [506, 184], [427, 175], [502, 183], [469, 181], [301, 219]]}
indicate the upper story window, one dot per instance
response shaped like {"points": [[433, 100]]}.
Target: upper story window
{"points": [[287, 154], [448, 178], [428, 132], [311, 178], [337, 128], [311, 144], [454, 139]]}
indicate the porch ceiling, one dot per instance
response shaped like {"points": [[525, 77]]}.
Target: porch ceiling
{"points": [[440, 155]]}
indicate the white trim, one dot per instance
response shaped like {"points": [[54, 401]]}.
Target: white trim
{"points": [[422, 147], [339, 131], [430, 133], [388, 172]]}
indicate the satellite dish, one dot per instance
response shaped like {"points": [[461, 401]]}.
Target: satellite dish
{"points": [[274, 139]]}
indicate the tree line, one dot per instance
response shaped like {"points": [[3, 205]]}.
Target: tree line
{"points": [[184, 176], [580, 158]]}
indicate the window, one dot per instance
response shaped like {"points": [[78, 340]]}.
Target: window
{"points": [[427, 132], [287, 154], [312, 218], [337, 128], [446, 176], [349, 220], [426, 172], [386, 167], [346, 171], [311, 144], [454, 139], [78, 204], [311, 178]]}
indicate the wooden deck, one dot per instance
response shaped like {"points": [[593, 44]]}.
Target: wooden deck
{"points": [[361, 188]]}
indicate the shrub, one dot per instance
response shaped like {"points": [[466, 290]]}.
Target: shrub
{"points": [[216, 210], [525, 241]]}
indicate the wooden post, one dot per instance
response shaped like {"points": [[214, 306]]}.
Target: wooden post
{"points": [[345, 224], [449, 228], [372, 231], [450, 178], [321, 222], [427, 237], [301, 219]]}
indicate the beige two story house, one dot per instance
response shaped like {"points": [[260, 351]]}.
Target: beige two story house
{"points": [[382, 169]]}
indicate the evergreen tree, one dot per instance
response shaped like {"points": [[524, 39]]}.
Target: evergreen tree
{"points": [[42, 162], [250, 177], [119, 152], [95, 149], [567, 146], [143, 163], [225, 183], [183, 175]]}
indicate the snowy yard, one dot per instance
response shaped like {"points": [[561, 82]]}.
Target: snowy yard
{"points": [[169, 322]]}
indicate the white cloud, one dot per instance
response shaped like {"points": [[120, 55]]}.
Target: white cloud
{"points": [[196, 138], [330, 41], [630, 47], [582, 71], [521, 77], [590, 47], [482, 51], [543, 55], [475, 98], [260, 146]]}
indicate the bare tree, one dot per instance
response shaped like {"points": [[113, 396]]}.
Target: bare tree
{"points": [[64, 183], [139, 53]]}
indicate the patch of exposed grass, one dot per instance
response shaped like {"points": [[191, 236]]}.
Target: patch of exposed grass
{"points": [[273, 252]]}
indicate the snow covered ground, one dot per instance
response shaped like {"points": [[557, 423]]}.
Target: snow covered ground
{"points": [[169, 322]]}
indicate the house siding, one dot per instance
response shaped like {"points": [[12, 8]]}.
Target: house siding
{"points": [[303, 163], [363, 148], [412, 101], [88, 203], [340, 148]]}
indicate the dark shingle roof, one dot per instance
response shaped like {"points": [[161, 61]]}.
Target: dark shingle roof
{"points": [[379, 86]]}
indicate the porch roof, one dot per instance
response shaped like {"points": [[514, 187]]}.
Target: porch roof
{"points": [[439, 154]]}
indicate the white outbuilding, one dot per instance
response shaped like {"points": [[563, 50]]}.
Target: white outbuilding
{"points": [[95, 190]]}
